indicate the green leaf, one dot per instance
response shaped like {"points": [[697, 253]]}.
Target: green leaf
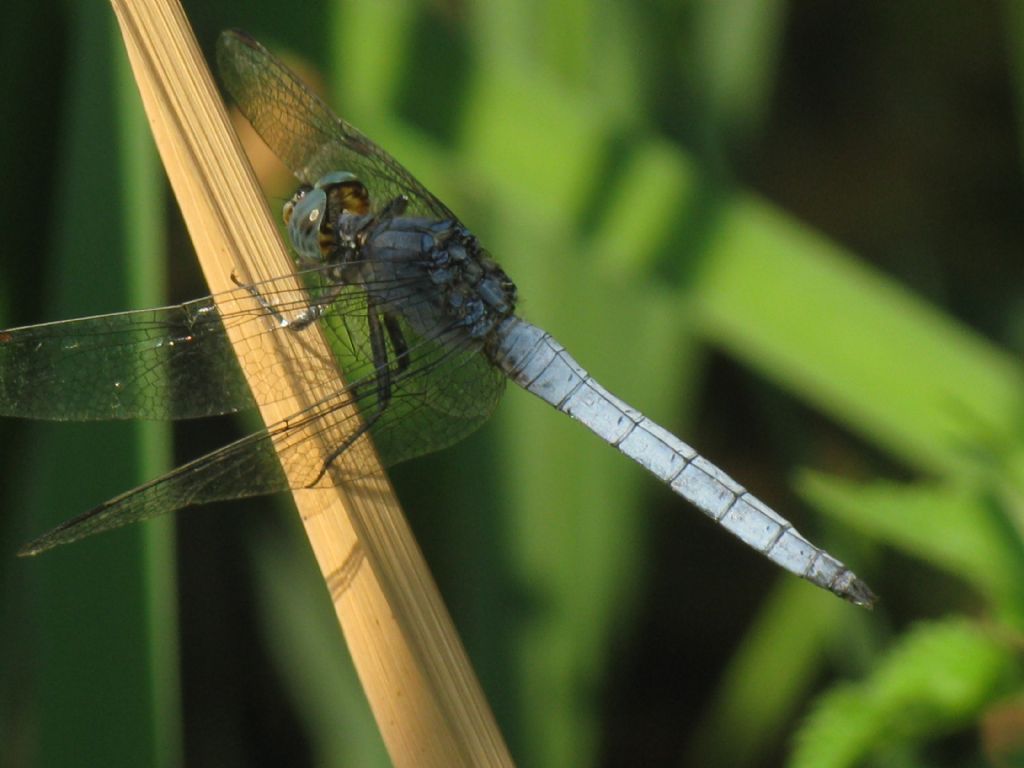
{"points": [[863, 349], [953, 526], [769, 675], [938, 678], [104, 672]]}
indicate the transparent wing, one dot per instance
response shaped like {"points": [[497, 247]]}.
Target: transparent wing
{"points": [[167, 363], [446, 390], [304, 133]]}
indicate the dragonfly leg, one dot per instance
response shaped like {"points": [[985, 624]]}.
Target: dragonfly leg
{"points": [[379, 349], [382, 377], [301, 320], [398, 342], [396, 207], [345, 444]]}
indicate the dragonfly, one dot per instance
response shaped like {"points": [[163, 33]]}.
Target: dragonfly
{"points": [[420, 317]]}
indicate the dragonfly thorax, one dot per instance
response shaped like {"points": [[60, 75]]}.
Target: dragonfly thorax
{"points": [[432, 272]]}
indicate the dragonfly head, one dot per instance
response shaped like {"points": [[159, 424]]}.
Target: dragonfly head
{"points": [[312, 213]]}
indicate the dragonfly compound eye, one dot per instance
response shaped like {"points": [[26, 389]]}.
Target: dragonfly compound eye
{"points": [[304, 218]]}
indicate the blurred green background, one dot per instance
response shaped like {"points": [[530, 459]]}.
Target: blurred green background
{"points": [[790, 232]]}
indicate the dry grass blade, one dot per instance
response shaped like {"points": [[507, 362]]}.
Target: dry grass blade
{"points": [[426, 699]]}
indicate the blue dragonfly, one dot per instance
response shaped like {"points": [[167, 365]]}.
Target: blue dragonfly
{"points": [[420, 316]]}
